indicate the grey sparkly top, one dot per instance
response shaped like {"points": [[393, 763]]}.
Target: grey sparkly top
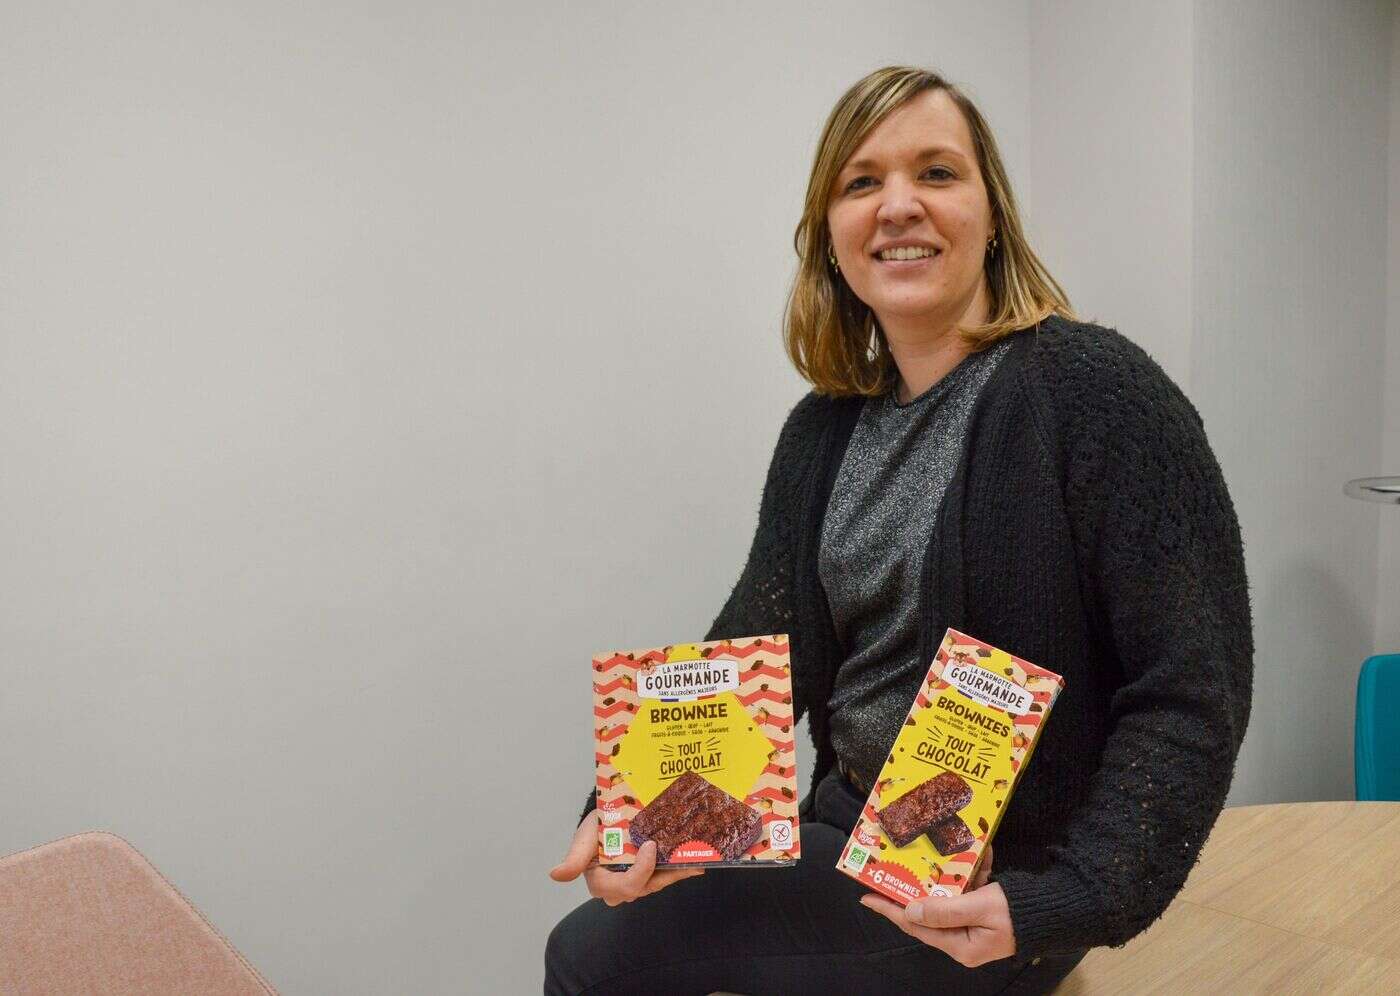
{"points": [[878, 522]]}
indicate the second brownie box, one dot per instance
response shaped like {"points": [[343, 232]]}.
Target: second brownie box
{"points": [[950, 772]]}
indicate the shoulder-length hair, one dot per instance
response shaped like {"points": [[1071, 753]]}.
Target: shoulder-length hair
{"points": [[832, 336]]}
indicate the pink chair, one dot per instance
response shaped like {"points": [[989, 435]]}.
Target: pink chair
{"points": [[89, 914]]}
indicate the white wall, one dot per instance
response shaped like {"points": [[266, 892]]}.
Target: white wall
{"points": [[341, 421], [1208, 179], [1286, 362], [1387, 639], [1110, 181]]}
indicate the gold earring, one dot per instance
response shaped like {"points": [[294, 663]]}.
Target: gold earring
{"points": [[832, 258], [992, 243]]}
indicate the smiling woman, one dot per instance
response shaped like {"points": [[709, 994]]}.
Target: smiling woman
{"points": [[907, 161], [914, 236], [970, 456]]}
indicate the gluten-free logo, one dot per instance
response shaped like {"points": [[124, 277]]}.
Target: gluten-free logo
{"points": [[780, 835]]}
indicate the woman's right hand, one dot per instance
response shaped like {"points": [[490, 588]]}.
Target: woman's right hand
{"points": [[614, 888]]}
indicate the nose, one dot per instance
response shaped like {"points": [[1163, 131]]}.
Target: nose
{"points": [[898, 203]]}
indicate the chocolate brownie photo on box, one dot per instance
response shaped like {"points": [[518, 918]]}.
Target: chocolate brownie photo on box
{"points": [[951, 836], [923, 807], [691, 809]]}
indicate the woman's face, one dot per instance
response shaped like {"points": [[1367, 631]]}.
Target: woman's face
{"points": [[914, 179]]}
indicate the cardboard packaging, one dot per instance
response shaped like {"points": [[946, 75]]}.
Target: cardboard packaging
{"points": [[951, 771], [694, 749]]}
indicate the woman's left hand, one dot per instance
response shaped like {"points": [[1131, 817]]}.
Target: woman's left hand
{"points": [[973, 928]]}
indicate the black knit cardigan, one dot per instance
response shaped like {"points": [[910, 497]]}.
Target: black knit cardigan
{"points": [[1088, 530]]}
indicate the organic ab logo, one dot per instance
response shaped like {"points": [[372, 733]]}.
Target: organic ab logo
{"points": [[612, 842]]}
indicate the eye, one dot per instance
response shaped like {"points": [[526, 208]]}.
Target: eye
{"points": [[942, 173]]}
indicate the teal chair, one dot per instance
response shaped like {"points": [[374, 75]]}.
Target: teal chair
{"points": [[1378, 729]]}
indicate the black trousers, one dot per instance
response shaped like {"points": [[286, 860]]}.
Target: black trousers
{"points": [[768, 932]]}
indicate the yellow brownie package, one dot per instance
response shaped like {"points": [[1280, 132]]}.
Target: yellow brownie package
{"points": [[695, 751], [951, 771]]}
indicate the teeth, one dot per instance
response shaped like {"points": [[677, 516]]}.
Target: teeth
{"points": [[911, 252]]}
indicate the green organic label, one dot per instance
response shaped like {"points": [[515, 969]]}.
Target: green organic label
{"points": [[612, 842]]}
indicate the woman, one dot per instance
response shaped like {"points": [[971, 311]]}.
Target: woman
{"points": [[972, 456]]}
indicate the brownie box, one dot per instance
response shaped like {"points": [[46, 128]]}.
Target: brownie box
{"points": [[950, 772], [694, 750]]}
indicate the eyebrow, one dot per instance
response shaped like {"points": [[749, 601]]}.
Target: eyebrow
{"points": [[928, 153]]}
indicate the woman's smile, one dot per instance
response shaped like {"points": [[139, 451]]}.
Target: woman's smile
{"points": [[901, 266]]}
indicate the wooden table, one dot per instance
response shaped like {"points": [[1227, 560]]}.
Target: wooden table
{"points": [[1291, 898]]}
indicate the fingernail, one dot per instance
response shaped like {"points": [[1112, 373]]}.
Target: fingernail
{"points": [[915, 910]]}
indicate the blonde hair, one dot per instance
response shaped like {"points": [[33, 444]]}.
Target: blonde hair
{"points": [[832, 337]]}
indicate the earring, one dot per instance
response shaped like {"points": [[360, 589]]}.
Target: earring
{"points": [[831, 257], [992, 243]]}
